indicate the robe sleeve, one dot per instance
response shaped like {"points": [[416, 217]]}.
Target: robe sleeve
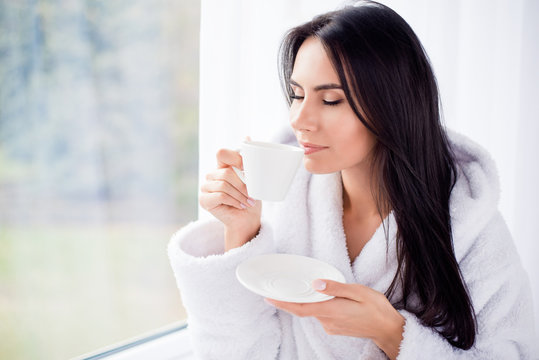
{"points": [[502, 300], [225, 320]]}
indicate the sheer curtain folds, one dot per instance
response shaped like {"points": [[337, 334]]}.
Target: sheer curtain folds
{"points": [[240, 93], [484, 54]]}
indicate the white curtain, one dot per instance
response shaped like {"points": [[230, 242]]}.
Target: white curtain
{"points": [[484, 53]]}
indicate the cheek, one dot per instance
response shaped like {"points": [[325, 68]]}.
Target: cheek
{"points": [[356, 145]]}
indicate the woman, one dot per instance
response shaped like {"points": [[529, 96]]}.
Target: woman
{"points": [[405, 211]]}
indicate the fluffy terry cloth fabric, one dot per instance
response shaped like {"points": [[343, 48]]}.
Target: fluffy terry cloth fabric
{"points": [[226, 321]]}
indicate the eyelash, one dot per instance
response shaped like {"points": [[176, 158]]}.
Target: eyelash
{"points": [[329, 103], [332, 103]]}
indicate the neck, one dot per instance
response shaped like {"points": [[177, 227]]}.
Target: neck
{"points": [[358, 197]]}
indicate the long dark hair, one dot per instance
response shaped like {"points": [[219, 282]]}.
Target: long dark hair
{"points": [[385, 72]]}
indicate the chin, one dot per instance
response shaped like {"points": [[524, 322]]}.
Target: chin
{"points": [[315, 167]]}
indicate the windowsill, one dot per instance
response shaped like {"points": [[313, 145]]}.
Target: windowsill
{"points": [[169, 343]]}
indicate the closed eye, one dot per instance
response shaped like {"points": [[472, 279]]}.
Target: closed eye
{"points": [[332, 103]]}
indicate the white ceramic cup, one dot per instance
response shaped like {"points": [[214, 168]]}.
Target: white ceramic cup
{"points": [[268, 169]]}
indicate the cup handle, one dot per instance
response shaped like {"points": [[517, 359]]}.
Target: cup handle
{"points": [[240, 173]]}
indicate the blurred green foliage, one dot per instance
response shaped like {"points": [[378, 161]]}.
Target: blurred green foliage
{"points": [[70, 290], [98, 167]]}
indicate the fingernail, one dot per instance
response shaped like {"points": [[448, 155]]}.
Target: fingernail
{"points": [[319, 284], [251, 202], [268, 302], [243, 206]]}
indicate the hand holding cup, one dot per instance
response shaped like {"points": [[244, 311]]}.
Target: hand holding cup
{"points": [[262, 171], [225, 196]]}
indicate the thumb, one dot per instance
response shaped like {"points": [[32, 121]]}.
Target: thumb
{"points": [[339, 289]]}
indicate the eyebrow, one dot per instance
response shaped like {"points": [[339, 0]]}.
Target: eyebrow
{"points": [[319, 87]]}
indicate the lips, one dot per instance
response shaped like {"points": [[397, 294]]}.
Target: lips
{"points": [[312, 148]]}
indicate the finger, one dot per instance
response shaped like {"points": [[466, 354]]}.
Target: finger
{"points": [[210, 201], [334, 288], [223, 186], [230, 176], [226, 158]]}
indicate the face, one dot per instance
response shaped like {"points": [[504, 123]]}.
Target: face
{"points": [[325, 125]]}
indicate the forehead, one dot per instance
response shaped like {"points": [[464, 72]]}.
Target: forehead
{"points": [[312, 65]]}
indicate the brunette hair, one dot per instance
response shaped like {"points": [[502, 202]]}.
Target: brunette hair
{"points": [[388, 81]]}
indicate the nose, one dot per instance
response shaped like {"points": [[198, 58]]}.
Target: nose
{"points": [[303, 116]]}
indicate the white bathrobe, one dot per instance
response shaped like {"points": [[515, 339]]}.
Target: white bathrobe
{"points": [[227, 321]]}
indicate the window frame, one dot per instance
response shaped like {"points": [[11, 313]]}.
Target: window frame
{"points": [[168, 342]]}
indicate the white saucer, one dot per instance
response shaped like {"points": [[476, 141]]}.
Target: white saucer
{"points": [[286, 277]]}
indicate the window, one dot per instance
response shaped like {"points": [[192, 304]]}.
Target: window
{"points": [[98, 168]]}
